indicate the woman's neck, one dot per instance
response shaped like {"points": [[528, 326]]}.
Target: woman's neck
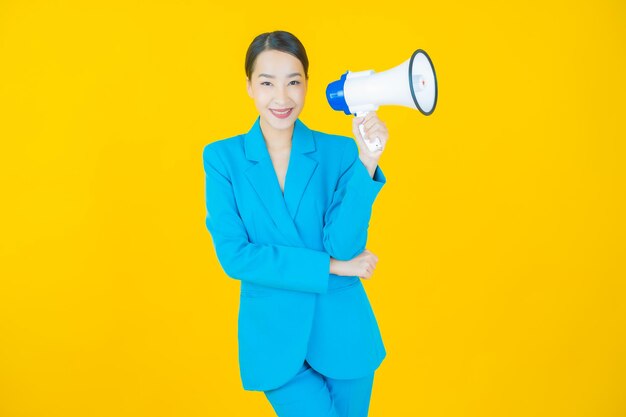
{"points": [[276, 139]]}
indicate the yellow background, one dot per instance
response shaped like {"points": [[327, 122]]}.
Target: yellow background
{"points": [[501, 235]]}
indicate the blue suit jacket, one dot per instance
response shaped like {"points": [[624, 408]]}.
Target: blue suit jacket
{"points": [[279, 246]]}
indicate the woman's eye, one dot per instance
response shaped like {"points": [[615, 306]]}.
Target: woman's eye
{"points": [[294, 82], [266, 83]]}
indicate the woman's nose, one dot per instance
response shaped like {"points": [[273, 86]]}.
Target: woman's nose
{"points": [[281, 95]]}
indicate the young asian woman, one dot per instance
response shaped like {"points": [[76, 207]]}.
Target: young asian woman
{"points": [[288, 211]]}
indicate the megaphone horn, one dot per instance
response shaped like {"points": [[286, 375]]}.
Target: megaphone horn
{"points": [[411, 84]]}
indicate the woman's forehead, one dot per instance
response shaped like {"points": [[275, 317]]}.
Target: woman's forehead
{"points": [[277, 63]]}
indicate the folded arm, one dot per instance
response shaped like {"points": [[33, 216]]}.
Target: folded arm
{"points": [[284, 267]]}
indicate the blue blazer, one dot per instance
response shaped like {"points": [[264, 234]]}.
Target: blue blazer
{"points": [[291, 307]]}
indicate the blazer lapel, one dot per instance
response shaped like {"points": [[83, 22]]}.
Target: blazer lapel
{"points": [[262, 176]]}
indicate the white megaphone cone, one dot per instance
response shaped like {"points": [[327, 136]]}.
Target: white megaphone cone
{"points": [[411, 84]]}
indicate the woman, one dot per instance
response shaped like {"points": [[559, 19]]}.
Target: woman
{"points": [[288, 210]]}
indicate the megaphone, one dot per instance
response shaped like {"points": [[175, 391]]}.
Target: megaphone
{"points": [[411, 84]]}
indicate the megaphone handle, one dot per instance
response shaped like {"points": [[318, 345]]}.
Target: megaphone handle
{"points": [[373, 145]]}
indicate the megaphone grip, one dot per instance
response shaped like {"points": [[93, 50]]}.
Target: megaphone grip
{"points": [[373, 145]]}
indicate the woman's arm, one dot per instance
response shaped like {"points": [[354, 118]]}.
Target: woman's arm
{"points": [[285, 267], [347, 219]]}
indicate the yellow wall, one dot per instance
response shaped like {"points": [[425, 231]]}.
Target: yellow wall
{"points": [[500, 287]]}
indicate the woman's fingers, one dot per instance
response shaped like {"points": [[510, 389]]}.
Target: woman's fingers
{"points": [[371, 119], [369, 263], [371, 253], [375, 128]]}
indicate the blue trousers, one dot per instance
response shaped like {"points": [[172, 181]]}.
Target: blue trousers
{"points": [[311, 394]]}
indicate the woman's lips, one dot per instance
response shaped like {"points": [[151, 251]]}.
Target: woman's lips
{"points": [[281, 113]]}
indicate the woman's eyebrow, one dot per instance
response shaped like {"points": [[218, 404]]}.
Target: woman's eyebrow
{"points": [[295, 74]]}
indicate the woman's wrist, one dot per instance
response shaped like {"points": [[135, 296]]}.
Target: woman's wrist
{"points": [[335, 266], [370, 164]]}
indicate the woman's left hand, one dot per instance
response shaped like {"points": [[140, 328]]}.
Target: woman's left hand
{"points": [[374, 127]]}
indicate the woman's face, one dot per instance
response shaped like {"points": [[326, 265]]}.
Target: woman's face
{"points": [[278, 87]]}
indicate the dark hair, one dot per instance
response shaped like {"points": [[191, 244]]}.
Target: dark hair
{"points": [[280, 41]]}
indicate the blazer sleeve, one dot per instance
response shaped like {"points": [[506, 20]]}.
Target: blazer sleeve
{"points": [[347, 219], [284, 267]]}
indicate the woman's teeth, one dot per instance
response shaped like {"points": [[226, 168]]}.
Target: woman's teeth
{"points": [[281, 114]]}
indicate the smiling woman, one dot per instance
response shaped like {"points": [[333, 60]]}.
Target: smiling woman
{"points": [[288, 209], [277, 81]]}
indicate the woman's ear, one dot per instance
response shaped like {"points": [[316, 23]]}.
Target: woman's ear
{"points": [[249, 87]]}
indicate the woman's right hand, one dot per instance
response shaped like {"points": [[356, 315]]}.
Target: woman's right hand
{"points": [[362, 265]]}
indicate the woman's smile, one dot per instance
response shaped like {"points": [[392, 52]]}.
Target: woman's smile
{"points": [[282, 113]]}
